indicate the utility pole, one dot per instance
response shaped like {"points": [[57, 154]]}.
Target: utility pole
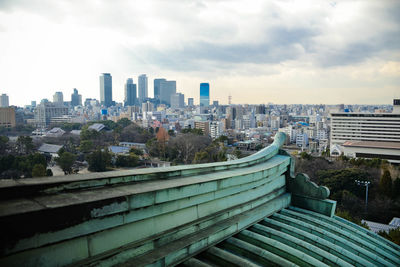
{"points": [[366, 184]]}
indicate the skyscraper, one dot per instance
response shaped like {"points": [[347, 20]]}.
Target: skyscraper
{"points": [[167, 88], [204, 94], [157, 83], [177, 100], [142, 84], [130, 92], [76, 99], [4, 101], [106, 89], [58, 98]]}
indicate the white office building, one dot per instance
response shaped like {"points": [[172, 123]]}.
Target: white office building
{"points": [[367, 135]]}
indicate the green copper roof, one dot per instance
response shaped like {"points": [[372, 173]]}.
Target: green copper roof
{"points": [[298, 237]]}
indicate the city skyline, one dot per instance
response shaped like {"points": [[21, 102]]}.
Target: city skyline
{"points": [[281, 52]]}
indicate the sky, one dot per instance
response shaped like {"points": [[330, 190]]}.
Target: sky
{"points": [[284, 52]]}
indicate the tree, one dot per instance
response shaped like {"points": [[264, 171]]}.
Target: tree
{"points": [[238, 154], [86, 146], [124, 122], [99, 161], [130, 160], [65, 161], [305, 155], [396, 188], [3, 144], [38, 170], [136, 151], [393, 235], [162, 138], [49, 172], [24, 145], [385, 183]]}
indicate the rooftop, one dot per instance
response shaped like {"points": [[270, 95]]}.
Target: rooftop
{"points": [[372, 144]]}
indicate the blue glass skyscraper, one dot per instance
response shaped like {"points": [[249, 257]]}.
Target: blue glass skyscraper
{"points": [[204, 94]]}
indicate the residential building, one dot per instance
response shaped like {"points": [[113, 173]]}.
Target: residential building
{"points": [[130, 92], [302, 140], [204, 126], [106, 89], [216, 128], [204, 95], [7, 117], [177, 100], [142, 88], [4, 101]]}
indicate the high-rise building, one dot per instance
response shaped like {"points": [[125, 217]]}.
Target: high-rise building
{"points": [[130, 93], [190, 102], [167, 88], [157, 83], [58, 98], [4, 101], [106, 89], [204, 94], [143, 89], [177, 100], [76, 99]]}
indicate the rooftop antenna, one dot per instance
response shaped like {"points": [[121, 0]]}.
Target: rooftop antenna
{"points": [[229, 99]]}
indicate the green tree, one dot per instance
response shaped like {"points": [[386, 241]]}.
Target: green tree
{"points": [[86, 146], [38, 170], [136, 151], [237, 153], [305, 155], [3, 144], [99, 161], [396, 188], [65, 161], [49, 172], [385, 183], [124, 122], [24, 145], [130, 160], [393, 235]]}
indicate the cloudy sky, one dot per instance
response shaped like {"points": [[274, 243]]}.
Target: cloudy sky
{"points": [[257, 51]]}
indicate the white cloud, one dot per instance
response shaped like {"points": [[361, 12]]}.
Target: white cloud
{"points": [[305, 50]]}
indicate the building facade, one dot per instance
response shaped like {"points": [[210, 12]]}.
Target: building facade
{"points": [[76, 99], [7, 117], [106, 89], [130, 92], [143, 88], [177, 100], [366, 135], [4, 101], [167, 88], [204, 95], [45, 111], [58, 98]]}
